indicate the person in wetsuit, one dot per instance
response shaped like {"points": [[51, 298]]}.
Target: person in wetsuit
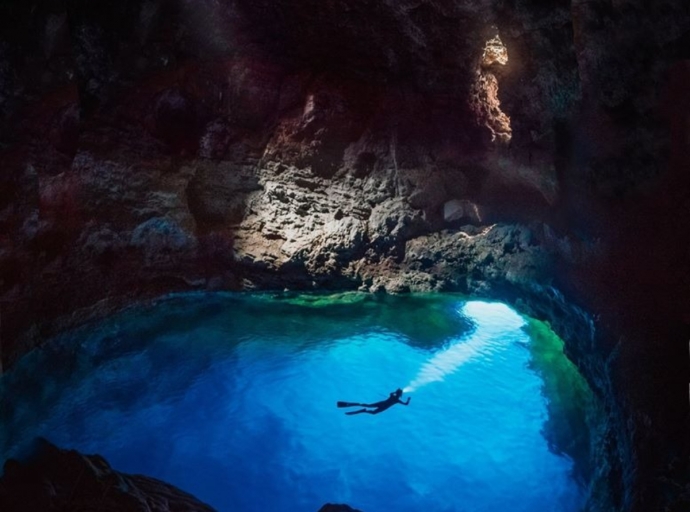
{"points": [[393, 398]]}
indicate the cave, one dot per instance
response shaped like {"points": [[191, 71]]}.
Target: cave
{"points": [[331, 154]]}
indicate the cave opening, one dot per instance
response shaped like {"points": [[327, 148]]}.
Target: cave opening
{"points": [[233, 397]]}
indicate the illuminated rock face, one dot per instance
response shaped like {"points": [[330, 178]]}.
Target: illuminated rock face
{"points": [[484, 95], [158, 146]]}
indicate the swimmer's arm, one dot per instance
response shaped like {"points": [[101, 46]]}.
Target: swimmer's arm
{"points": [[404, 403]]}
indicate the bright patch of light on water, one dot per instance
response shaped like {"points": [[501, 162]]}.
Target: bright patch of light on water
{"points": [[493, 321]]}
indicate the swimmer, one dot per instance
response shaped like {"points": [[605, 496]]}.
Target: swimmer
{"points": [[377, 407]]}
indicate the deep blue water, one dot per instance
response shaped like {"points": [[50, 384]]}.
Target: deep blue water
{"points": [[233, 399]]}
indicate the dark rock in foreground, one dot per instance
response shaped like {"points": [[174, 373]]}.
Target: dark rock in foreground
{"points": [[52, 479], [330, 507]]}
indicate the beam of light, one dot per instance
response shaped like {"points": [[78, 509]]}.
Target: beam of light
{"points": [[493, 322]]}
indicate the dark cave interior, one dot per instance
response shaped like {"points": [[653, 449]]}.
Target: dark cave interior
{"points": [[527, 151]]}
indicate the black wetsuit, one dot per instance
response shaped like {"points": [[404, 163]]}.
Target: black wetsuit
{"points": [[381, 406]]}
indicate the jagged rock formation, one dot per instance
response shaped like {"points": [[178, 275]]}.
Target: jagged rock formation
{"points": [[523, 150], [52, 479]]}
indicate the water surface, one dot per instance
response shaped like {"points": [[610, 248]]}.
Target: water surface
{"points": [[232, 398]]}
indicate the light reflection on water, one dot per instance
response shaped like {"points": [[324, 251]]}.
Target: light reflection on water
{"points": [[233, 399]]}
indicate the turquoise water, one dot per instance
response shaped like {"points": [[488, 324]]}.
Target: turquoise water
{"points": [[233, 398]]}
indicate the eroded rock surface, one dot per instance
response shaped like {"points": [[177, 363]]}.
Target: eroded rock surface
{"points": [[530, 152]]}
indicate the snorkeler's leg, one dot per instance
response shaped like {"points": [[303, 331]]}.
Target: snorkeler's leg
{"points": [[356, 412]]}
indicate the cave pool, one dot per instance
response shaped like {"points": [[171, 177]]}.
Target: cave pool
{"points": [[232, 397]]}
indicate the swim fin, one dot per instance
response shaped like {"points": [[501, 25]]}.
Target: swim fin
{"points": [[347, 404]]}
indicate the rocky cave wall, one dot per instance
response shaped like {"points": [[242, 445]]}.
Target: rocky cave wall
{"points": [[531, 151]]}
